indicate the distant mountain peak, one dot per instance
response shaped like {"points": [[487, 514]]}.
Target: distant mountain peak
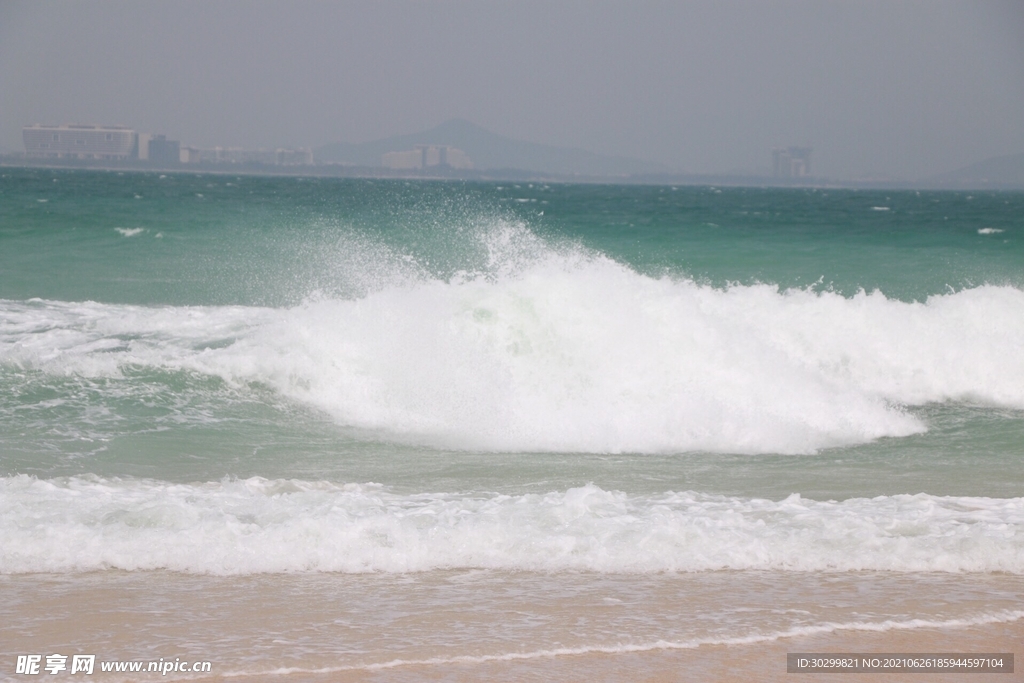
{"points": [[461, 125]]}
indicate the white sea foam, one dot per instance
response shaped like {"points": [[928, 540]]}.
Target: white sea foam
{"points": [[130, 232], [260, 526], [561, 350], [989, 231]]}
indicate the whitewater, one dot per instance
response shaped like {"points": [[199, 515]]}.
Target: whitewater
{"points": [[257, 526], [314, 428], [567, 353]]}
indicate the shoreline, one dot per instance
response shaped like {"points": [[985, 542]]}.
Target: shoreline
{"points": [[760, 661], [517, 626]]}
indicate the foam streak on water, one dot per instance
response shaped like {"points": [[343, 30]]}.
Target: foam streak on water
{"points": [[258, 526], [888, 625]]}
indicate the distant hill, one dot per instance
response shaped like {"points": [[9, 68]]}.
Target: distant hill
{"points": [[489, 150], [1003, 172]]}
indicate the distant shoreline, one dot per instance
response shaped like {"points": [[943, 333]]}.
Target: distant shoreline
{"points": [[490, 175]]}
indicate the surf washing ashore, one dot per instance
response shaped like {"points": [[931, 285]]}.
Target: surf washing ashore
{"points": [[338, 429]]}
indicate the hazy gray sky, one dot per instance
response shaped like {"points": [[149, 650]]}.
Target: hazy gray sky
{"points": [[897, 88]]}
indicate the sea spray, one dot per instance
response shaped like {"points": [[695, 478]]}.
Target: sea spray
{"points": [[562, 349]]}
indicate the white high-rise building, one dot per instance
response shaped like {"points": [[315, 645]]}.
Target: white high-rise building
{"points": [[76, 141], [792, 162]]}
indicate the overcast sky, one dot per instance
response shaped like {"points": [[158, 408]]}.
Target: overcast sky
{"points": [[878, 88]]}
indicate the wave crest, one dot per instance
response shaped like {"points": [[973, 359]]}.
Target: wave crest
{"points": [[558, 349]]}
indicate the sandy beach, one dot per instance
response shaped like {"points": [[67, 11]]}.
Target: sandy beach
{"points": [[466, 626], [765, 662]]}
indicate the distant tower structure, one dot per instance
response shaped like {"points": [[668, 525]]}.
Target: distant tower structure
{"points": [[163, 151], [791, 162]]}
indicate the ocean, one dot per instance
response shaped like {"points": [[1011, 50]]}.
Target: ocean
{"points": [[342, 429]]}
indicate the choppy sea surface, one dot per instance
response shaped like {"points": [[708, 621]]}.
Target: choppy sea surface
{"points": [[498, 395]]}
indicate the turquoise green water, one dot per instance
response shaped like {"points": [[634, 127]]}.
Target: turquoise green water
{"points": [[272, 241], [425, 426], [183, 241]]}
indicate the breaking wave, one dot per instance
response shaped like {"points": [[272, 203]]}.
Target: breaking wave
{"points": [[259, 526], [560, 349]]}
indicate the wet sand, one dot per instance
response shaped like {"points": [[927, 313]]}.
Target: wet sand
{"points": [[764, 662], [475, 625]]}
